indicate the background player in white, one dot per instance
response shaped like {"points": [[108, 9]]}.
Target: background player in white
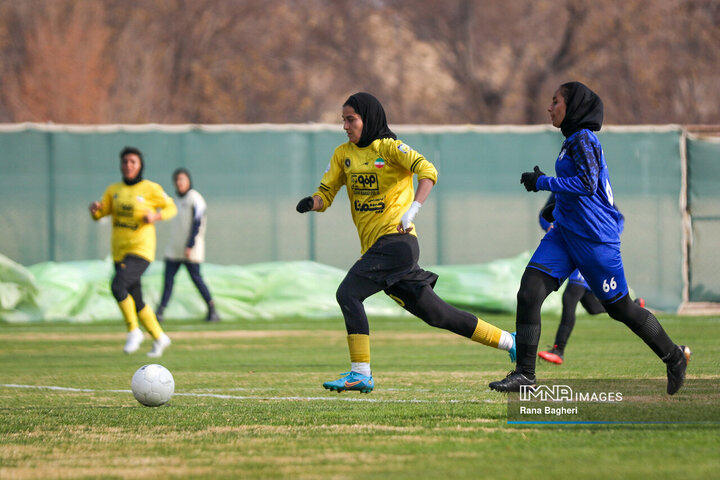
{"points": [[377, 171], [187, 243]]}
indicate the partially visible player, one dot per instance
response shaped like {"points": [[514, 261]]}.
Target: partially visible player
{"points": [[377, 170], [187, 243], [576, 291], [135, 205], [586, 236]]}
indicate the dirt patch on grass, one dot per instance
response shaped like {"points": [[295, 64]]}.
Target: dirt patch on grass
{"points": [[183, 335]]}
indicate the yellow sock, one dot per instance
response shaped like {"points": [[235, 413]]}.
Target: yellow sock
{"points": [[487, 334], [127, 307], [359, 345], [149, 321]]}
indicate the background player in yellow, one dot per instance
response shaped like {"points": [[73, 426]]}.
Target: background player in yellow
{"points": [[135, 205], [377, 170]]}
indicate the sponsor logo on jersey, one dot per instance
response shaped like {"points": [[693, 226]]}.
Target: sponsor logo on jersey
{"points": [[377, 206], [327, 169], [121, 224], [347, 162], [379, 163], [364, 183], [562, 154], [125, 210], [140, 198], [404, 148]]}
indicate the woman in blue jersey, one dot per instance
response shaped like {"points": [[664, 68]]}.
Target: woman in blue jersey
{"points": [[377, 170], [586, 236]]}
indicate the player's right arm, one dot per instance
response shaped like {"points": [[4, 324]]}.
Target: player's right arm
{"points": [[585, 151], [332, 180], [103, 207]]}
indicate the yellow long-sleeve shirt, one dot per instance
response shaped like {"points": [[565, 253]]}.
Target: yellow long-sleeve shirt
{"points": [[128, 204], [379, 184]]}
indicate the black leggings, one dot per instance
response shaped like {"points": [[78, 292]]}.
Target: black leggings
{"points": [[171, 268], [418, 299], [573, 294], [127, 279], [535, 286]]}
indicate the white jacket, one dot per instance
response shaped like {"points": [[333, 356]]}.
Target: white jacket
{"points": [[191, 212]]}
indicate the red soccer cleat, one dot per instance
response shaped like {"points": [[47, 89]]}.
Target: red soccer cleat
{"points": [[554, 355]]}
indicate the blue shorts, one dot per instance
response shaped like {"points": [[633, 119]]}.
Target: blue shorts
{"points": [[561, 251], [577, 278]]}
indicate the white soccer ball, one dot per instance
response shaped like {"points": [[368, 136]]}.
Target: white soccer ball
{"points": [[153, 385]]}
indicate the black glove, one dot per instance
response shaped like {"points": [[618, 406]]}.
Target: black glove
{"points": [[547, 212], [305, 205], [530, 178]]}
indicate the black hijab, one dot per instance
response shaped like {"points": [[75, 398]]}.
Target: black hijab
{"points": [[139, 177], [182, 171], [373, 116], [583, 108]]}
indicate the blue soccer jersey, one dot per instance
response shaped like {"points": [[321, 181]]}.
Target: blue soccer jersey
{"points": [[584, 197]]}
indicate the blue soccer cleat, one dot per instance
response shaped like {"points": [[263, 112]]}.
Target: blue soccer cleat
{"points": [[513, 349], [351, 381]]}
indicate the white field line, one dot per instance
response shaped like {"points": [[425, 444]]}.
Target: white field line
{"points": [[247, 397]]}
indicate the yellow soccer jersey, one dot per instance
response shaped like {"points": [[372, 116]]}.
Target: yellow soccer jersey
{"points": [[379, 182], [128, 204]]}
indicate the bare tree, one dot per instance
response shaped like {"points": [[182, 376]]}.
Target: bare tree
{"points": [[64, 74], [456, 61]]}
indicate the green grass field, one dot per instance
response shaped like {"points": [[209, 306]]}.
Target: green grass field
{"points": [[249, 404]]}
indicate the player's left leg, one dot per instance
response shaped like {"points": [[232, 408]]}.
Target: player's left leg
{"points": [[136, 266], [149, 320], [194, 271], [171, 268], [603, 268], [644, 324], [422, 301]]}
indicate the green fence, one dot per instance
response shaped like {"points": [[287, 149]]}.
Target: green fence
{"points": [[703, 211], [252, 177]]}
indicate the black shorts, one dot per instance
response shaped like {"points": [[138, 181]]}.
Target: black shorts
{"points": [[393, 259], [131, 268]]}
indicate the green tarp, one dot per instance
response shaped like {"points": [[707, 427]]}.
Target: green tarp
{"points": [[80, 291]]}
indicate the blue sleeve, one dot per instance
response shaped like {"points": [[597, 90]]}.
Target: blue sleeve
{"points": [[587, 166], [195, 226]]}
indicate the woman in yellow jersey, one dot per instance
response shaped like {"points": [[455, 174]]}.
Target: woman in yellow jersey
{"points": [[135, 205], [377, 170]]}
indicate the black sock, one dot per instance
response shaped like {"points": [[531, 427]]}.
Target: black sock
{"points": [[527, 338], [535, 286]]}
